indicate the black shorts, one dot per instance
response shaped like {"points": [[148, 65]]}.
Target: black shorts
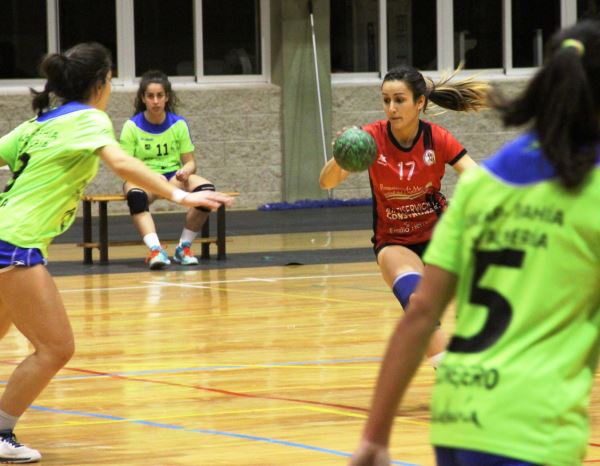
{"points": [[417, 248]]}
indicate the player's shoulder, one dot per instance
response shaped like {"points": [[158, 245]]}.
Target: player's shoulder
{"points": [[136, 121], [75, 118], [520, 162], [376, 128], [24, 126], [173, 118], [437, 131], [72, 111]]}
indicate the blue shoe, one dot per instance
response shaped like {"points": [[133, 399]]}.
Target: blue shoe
{"points": [[158, 258], [183, 255]]}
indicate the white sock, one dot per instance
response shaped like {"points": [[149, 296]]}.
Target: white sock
{"points": [[7, 422], [151, 240], [187, 236], [436, 359]]}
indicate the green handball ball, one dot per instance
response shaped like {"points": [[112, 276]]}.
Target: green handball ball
{"points": [[354, 150]]}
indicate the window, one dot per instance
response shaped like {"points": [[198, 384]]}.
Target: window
{"points": [[23, 41], [231, 37], [588, 9], [88, 20], [164, 37], [531, 30], [478, 33], [412, 33], [354, 36]]}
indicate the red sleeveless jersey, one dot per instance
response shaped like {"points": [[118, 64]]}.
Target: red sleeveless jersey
{"points": [[402, 177]]}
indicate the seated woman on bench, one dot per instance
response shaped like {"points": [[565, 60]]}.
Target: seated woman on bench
{"points": [[161, 139]]}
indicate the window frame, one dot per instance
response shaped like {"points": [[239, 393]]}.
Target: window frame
{"points": [[125, 62], [445, 44]]}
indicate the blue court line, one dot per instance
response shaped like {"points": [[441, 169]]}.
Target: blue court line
{"points": [[205, 431], [214, 368]]}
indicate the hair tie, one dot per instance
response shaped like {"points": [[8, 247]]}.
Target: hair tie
{"points": [[429, 86], [576, 44]]}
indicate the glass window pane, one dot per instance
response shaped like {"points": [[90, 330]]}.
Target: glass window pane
{"points": [[412, 33], [478, 33], [531, 30], [231, 37], [588, 9], [164, 36], [23, 40], [354, 36], [88, 20]]}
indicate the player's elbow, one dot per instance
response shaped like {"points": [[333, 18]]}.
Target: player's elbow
{"points": [[422, 312]]}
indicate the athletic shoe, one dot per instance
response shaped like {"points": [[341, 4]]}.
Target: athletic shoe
{"points": [[11, 451], [157, 258], [183, 254]]}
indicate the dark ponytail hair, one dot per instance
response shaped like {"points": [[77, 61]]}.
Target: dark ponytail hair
{"points": [[465, 95], [72, 75], [562, 102], [155, 77]]}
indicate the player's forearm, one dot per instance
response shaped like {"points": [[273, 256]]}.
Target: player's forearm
{"points": [[188, 163], [189, 167], [134, 171], [404, 354], [332, 175], [406, 349]]}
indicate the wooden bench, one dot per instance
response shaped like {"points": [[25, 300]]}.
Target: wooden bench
{"points": [[103, 242]]}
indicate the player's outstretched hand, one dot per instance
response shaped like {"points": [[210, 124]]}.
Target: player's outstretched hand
{"points": [[210, 199], [370, 454]]}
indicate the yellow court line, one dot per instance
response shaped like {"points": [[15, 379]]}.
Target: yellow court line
{"points": [[363, 416]]}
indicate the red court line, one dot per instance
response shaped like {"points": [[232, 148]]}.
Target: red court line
{"points": [[249, 395], [225, 392], [216, 390]]}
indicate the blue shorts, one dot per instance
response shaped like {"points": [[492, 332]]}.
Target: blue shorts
{"points": [[459, 457], [169, 175], [14, 255]]}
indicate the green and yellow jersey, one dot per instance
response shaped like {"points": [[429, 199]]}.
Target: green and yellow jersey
{"points": [[52, 158], [159, 146], [518, 373]]}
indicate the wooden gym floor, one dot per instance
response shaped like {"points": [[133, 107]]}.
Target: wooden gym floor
{"points": [[239, 365]]}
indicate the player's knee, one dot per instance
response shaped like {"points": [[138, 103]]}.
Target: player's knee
{"points": [[404, 286], [137, 200], [204, 187]]}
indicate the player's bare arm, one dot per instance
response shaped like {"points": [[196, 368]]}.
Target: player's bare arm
{"points": [[332, 175], [188, 167], [464, 163]]}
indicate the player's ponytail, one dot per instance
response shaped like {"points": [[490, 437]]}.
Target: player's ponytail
{"points": [[465, 95], [71, 76], [562, 102]]}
